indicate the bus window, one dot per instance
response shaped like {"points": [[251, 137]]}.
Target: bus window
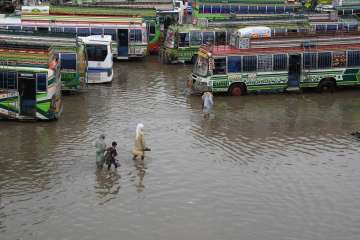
{"points": [[14, 27], [219, 66], [41, 82], [195, 38], [96, 52], [83, 32], [310, 60], [70, 30], [264, 63], [111, 32], [152, 29], [135, 35], [249, 63], [68, 61], [8, 80], [234, 64], [28, 28], [280, 62], [56, 29], [183, 39], [339, 59], [43, 29], [324, 60], [353, 58], [208, 37], [96, 31], [220, 38]]}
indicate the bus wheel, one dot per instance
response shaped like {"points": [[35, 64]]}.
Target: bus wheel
{"points": [[236, 90], [327, 85]]}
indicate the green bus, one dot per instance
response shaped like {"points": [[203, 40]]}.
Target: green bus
{"points": [[30, 85], [237, 71], [69, 50], [183, 41]]}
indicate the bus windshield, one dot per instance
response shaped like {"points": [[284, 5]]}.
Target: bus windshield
{"points": [[96, 52], [201, 66]]}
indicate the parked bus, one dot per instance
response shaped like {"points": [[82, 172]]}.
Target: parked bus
{"points": [[69, 50], [182, 42], [128, 34], [30, 87], [277, 68], [224, 9], [100, 59], [149, 15]]}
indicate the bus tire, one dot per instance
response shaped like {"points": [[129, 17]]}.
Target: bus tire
{"points": [[327, 85], [237, 89]]}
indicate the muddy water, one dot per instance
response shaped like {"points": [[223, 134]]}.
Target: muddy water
{"points": [[261, 167]]}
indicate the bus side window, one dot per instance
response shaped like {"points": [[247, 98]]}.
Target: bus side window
{"points": [[111, 32], [324, 60], [208, 37], [41, 81], [310, 60], [96, 31], [249, 63], [68, 61], [152, 29], [219, 66], [280, 62], [220, 38], [83, 32], [353, 58], [195, 38], [70, 30], [56, 29], [135, 35], [234, 64], [183, 39]]}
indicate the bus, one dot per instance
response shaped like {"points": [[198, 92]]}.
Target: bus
{"points": [[129, 35], [100, 59], [224, 9], [238, 71], [69, 50], [149, 15], [182, 42], [30, 85]]}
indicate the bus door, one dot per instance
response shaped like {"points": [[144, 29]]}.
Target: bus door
{"points": [[123, 43], [294, 73], [27, 94]]}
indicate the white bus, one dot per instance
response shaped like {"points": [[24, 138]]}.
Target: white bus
{"points": [[100, 58]]}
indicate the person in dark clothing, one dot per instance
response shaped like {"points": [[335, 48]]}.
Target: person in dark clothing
{"points": [[111, 153]]}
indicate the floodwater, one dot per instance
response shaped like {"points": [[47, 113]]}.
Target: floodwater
{"points": [[261, 167]]}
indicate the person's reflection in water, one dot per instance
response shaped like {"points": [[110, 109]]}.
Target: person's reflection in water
{"points": [[139, 173], [107, 184]]}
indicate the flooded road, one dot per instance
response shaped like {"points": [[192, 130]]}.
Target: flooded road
{"points": [[261, 167]]}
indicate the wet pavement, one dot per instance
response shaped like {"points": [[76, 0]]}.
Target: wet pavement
{"points": [[280, 166]]}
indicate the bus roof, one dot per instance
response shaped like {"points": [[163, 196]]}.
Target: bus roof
{"points": [[226, 50], [81, 19], [103, 11], [24, 55]]}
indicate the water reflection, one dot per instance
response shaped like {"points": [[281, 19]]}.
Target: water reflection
{"points": [[138, 174], [107, 184]]}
